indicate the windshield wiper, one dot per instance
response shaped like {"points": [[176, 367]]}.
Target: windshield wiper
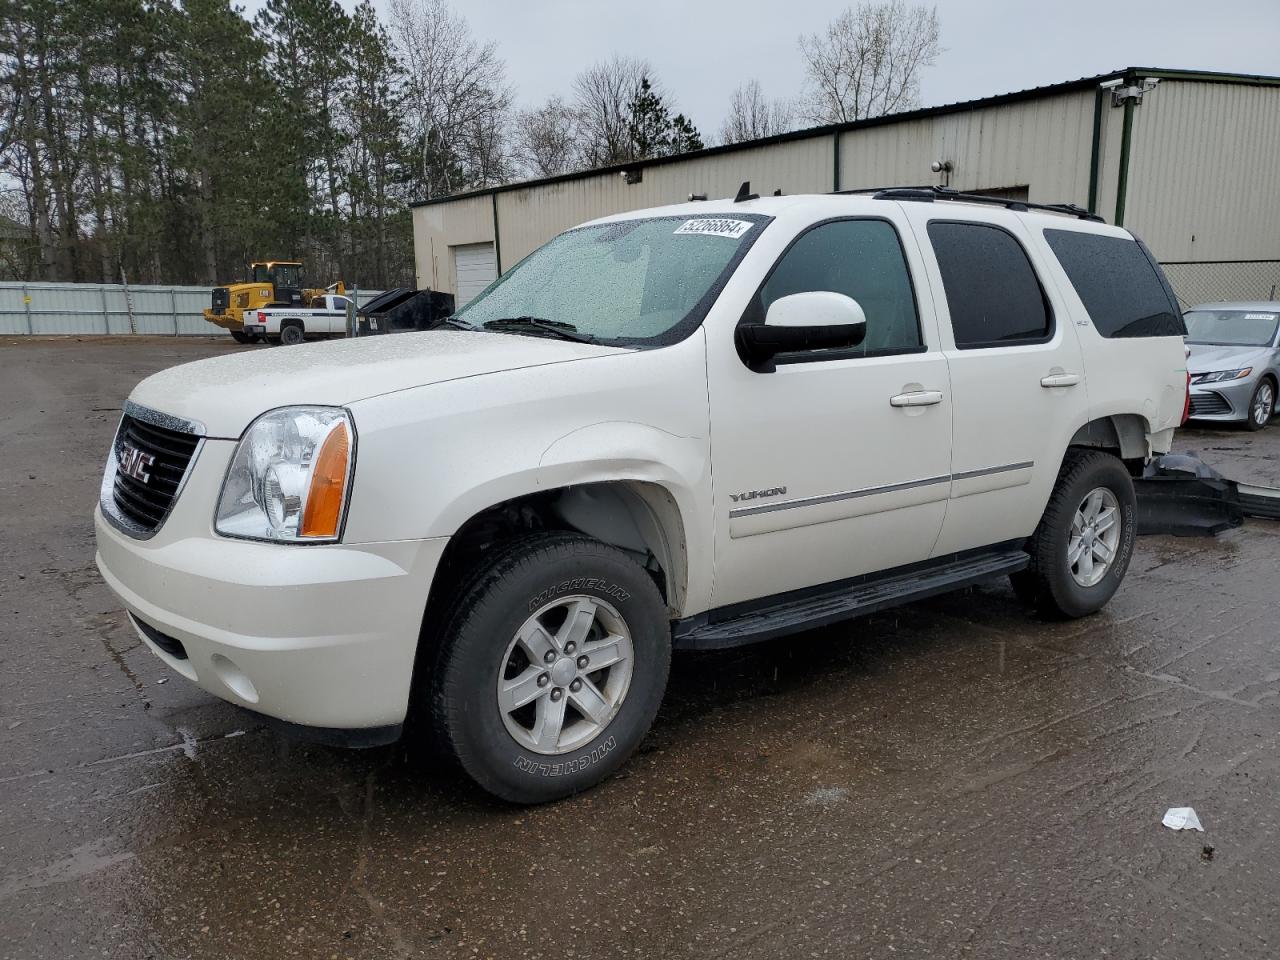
{"points": [[556, 328], [452, 322]]}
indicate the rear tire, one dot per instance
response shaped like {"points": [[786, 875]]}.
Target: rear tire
{"points": [[1262, 405], [1082, 546], [554, 632], [292, 334]]}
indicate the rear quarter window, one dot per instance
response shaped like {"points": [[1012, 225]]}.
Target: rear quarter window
{"points": [[1119, 283]]}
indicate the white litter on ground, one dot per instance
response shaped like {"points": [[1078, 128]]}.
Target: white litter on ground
{"points": [[1182, 818], [826, 796]]}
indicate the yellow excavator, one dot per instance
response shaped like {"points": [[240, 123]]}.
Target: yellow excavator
{"points": [[270, 283]]}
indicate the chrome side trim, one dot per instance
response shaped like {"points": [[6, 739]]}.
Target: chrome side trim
{"points": [[166, 420], [834, 497], [872, 491], [987, 471]]}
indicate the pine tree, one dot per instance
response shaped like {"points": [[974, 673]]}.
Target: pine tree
{"points": [[652, 131], [223, 179], [380, 234]]}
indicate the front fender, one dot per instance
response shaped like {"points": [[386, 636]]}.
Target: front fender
{"points": [[629, 452], [430, 458]]}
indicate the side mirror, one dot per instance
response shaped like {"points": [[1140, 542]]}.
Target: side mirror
{"points": [[819, 320]]}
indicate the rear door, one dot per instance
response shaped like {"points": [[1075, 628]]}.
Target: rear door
{"points": [[1017, 375]]}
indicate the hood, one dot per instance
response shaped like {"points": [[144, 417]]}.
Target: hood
{"points": [[227, 393], [1208, 359]]}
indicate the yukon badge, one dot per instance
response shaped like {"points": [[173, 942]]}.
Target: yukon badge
{"points": [[757, 494]]}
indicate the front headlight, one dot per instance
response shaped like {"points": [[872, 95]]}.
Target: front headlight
{"points": [[290, 477], [1219, 375]]}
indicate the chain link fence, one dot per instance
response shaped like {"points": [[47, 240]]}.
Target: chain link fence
{"points": [[1217, 280], [111, 309]]}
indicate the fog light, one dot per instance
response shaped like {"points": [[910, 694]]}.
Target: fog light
{"points": [[234, 678]]}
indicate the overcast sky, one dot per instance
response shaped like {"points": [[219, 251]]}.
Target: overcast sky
{"points": [[702, 49]]}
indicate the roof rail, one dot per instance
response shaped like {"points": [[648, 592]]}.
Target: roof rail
{"points": [[929, 194]]}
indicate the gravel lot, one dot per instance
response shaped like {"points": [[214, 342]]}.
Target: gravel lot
{"points": [[953, 778]]}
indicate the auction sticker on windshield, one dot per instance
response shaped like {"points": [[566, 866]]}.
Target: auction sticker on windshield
{"points": [[733, 229]]}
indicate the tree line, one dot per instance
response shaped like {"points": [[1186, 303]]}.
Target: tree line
{"points": [[174, 141]]}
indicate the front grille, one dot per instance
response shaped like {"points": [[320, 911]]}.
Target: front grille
{"points": [[221, 300], [146, 502], [1208, 404]]}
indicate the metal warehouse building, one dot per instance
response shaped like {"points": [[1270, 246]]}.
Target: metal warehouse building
{"points": [[1190, 161]]}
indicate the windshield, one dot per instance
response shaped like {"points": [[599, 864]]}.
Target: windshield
{"points": [[1232, 328], [634, 281]]}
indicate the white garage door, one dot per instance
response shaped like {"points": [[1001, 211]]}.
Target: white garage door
{"points": [[474, 268]]}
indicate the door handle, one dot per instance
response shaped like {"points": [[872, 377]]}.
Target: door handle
{"points": [[1060, 380], [916, 398]]}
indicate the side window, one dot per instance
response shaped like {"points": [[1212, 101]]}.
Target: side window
{"points": [[993, 293], [862, 259], [1118, 283]]}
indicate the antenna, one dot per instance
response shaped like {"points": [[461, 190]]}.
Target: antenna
{"points": [[744, 193]]}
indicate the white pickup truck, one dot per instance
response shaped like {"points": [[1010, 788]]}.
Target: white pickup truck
{"points": [[684, 428], [292, 325]]}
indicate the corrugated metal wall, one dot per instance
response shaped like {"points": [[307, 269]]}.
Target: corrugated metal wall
{"points": [[1203, 165], [1041, 144], [102, 308], [439, 227], [528, 218], [1204, 175]]}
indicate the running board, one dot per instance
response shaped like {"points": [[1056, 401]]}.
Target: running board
{"points": [[856, 598]]}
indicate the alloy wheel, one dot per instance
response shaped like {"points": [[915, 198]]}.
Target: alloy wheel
{"points": [[565, 674], [1095, 536], [1263, 404]]}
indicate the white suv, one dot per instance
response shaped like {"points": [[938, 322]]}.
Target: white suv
{"points": [[688, 427]]}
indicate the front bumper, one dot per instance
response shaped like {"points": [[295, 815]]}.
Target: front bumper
{"points": [[1222, 402], [323, 635]]}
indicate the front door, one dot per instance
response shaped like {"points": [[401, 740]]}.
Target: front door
{"points": [[837, 463]]}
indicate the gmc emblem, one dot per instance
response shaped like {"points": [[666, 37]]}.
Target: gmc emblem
{"points": [[135, 463]]}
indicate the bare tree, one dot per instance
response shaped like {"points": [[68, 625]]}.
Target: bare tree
{"points": [[752, 115], [603, 95], [545, 139], [457, 95], [867, 62]]}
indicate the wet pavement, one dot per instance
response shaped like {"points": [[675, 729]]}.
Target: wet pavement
{"points": [[950, 779]]}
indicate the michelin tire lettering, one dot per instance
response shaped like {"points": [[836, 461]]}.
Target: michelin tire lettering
{"points": [[610, 590], [539, 768]]}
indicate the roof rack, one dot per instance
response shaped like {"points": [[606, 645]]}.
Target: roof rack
{"points": [[929, 194]]}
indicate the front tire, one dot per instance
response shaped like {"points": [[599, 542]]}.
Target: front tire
{"points": [[1084, 542], [551, 668], [1262, 405]]}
